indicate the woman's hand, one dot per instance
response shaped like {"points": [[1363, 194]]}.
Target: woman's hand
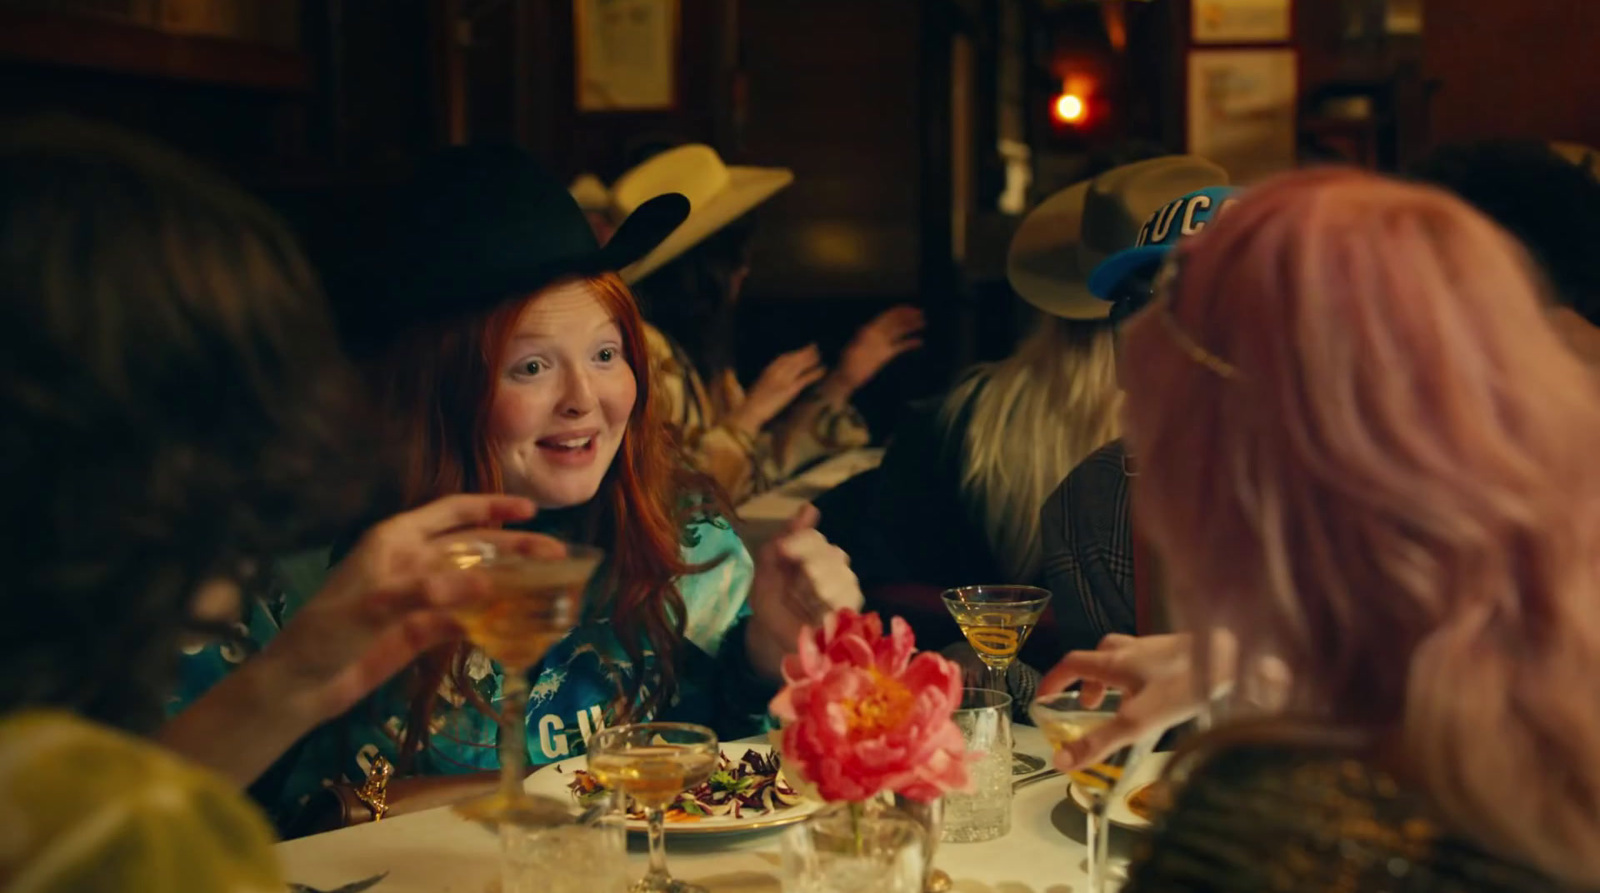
{"points": [[800, 578], [1155, 675], [780, 383], [385, 603], [890, 334], [389, 600]]}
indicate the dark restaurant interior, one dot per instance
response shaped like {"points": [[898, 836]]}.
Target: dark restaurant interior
{"points": [[892, 114], [781, 432]]}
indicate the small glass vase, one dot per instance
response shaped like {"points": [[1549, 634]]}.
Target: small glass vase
{"points": [[930, 815], [856, 846]]}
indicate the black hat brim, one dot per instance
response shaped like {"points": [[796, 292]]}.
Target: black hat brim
{"points": [[644, 229], [638, 235], [414, 303]]}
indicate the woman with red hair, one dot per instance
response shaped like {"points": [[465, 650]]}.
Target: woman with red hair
{"points": [[1367, 457], [509, 358], [546, 397]]}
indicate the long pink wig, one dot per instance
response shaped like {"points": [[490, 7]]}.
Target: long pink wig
{"points": [[1397, 493]]}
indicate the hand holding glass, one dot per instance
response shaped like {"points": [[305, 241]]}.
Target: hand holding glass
{"points": [[531, 604], [1064, 718]]}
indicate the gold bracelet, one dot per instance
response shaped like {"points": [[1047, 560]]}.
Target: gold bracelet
{"points": [[375, 790]]}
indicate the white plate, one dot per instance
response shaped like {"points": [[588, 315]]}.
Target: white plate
{"points": [[552, 781], [1148, 770]]}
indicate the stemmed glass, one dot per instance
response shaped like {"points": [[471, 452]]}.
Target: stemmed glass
{"points": [[531, 604], [654, 762], [1064, 718], [996, 621]]}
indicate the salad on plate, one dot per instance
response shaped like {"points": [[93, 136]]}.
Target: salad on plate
{"points": [[751, 787]]}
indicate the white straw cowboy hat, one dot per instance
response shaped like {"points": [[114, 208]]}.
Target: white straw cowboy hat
{"points": [[590, 193], [718, 195], [1073, 231], [1583, 156]]}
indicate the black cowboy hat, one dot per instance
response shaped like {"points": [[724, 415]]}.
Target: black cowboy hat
{"points": [[475, 226]]}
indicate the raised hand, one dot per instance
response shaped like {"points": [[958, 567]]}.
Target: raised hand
{"points": [[385, 603], [800, 578], [389, 599], [1155, 675], [890, 334], [780, 383]]}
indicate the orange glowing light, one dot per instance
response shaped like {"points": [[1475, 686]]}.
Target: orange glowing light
{"points": [[1069, 108]]}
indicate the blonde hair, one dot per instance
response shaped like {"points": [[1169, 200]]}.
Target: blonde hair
{"points": [[1034, 415], [1397, 495]]}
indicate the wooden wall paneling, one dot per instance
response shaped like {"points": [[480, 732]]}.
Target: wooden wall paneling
{"points": [[854, 97], [1154, 73], [449, 65], [321, 26], [1522, 69], [728, 102], [491, 71], [947, 70], [837, 91], [390, 109], [108, 46], [244, 109], [546, 78]]}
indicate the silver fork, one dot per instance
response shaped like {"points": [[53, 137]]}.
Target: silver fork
{"points": [[1021, 783]]}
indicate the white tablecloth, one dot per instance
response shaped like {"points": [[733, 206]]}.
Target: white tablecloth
{"points": [[436, 852], [765, 515]]}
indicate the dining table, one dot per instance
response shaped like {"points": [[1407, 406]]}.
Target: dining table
{"points": [[438, 852]]}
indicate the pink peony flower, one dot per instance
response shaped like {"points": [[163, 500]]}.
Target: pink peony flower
{"points": [[863, 713]]}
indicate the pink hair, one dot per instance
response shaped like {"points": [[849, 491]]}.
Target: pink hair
{"points": [[1399, 496]]}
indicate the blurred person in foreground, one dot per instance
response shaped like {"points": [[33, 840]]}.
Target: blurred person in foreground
{"points": [[1546, 195], [175, 412], [1365, 455]]}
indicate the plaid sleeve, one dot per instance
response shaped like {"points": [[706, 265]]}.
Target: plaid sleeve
{"points": [[1088, 556]]}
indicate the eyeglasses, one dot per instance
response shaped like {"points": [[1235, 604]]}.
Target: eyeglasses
{"points": [[1156, 287], [1131, 296]]}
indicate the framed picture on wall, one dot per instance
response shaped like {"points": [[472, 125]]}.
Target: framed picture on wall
{"points": [[1243, 110], [627, 54], [1403, 17], [1241, 21]]}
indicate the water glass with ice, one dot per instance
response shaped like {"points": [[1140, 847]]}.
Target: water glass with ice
{"points": [[574, 858], [984, 812]]}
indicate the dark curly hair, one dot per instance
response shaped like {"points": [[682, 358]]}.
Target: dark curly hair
{"points": [[1546, 201], [173, 409], [692, 298]]}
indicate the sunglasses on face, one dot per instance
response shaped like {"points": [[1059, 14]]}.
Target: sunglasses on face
{"points": [[1133, 294], [1155, 284], [1142, 286]]}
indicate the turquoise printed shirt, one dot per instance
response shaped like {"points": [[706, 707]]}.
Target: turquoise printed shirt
{"points": [[571, 688]]}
